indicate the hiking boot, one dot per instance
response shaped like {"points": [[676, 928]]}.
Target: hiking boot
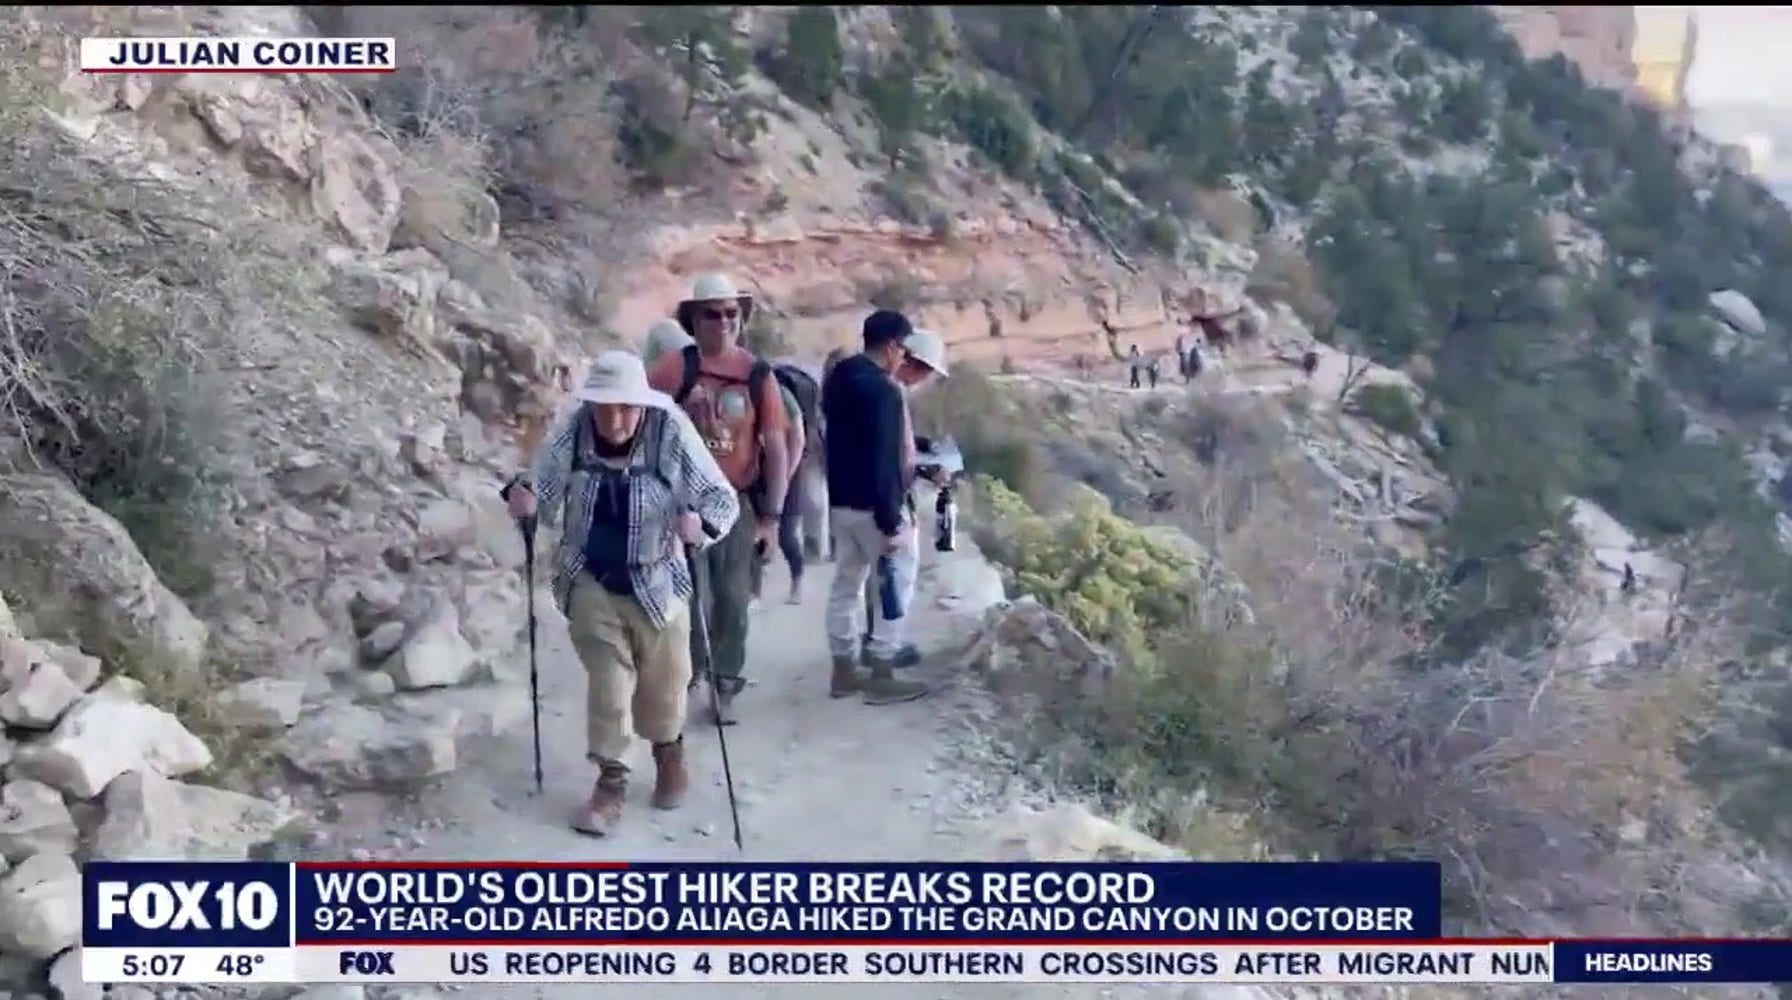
{"points": [[906, 657], [883, 688], [670, 780], [600, 814], [845, 680]]}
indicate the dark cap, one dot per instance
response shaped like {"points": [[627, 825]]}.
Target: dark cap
{"points": [[886, 326]]}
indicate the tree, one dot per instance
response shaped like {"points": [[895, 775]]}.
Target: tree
{"points": [[701, 42], [813, 63]]}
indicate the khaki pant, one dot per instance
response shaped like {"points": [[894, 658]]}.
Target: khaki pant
{"points": [[860, 543], [636, 675]]}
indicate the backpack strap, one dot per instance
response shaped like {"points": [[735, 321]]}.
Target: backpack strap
{"points": [[692, 364], [755, 392]]}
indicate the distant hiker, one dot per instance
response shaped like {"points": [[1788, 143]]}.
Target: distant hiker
{"points": [[1181, 357], [1151, 370], [734, 403], [867, 446], [1628, 586], [926, 360], [1191, 366], [1309, 363], [1133, 363], [624, 475]]}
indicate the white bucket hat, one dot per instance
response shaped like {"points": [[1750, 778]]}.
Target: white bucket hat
{"points": [[928, 348], [619, 379], [712, 288], [663, 336]]}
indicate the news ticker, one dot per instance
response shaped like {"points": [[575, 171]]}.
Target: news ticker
{"points": [[321, 922]]}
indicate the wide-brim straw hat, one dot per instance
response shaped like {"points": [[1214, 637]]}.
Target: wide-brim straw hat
{"points": [[928, 348], [712, 288], [618, 378]]}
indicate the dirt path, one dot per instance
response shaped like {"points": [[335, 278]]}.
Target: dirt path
{"points": [[818, 779]]}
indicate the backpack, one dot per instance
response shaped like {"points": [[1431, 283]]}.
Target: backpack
{"points": [[792, 378]]}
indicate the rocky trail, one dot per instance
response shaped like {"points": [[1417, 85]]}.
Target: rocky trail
{"points": [[817, 778]]}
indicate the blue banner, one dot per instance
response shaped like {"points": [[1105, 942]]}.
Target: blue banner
{"points": [[1631, 961], [843, 903], [836, 903]]}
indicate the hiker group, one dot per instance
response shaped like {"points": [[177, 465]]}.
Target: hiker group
{"points": [[675, 475]]}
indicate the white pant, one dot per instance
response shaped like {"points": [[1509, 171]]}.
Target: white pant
{"points": [[859, 543]]}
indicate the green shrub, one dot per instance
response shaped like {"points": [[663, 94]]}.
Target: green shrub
{"points": [[1110, 578], [994, 125], [1390, 407], [812, 64]]}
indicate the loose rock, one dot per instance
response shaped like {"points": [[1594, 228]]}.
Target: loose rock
{"points": [[150, 817], [34, 820], [101, 738], [40, 906]]}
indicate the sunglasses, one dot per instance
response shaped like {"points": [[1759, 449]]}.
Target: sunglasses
{"points": [[720, 314]]}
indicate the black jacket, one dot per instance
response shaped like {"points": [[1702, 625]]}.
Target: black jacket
{"points": [[862, 408]]}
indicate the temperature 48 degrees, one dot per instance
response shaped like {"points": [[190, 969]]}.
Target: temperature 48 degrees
{"points": [[240, 965]]}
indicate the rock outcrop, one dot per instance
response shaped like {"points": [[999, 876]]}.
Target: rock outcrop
{"points": [[76, 572], [76, 747]]}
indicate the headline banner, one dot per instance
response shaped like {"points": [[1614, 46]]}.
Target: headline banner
{"points": [[501, 904], [199, 922]]}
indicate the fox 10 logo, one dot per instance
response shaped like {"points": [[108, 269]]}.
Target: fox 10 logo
{"points": [[188, 906]]}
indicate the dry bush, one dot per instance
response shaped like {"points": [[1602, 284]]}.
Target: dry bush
{"points": [[1229, 216], [492, 97], [117, 292], [1554, 795], [1283, 274]]}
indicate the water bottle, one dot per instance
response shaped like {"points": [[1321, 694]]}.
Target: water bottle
{"points": [[888, 594], [945, 521]]}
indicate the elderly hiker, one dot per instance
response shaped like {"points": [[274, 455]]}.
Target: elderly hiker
{"points": [[733, 401], [869, 455], [631, 487], [926, 360]]}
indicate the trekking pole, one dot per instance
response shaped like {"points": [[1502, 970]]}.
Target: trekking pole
{"points": [[527, 526], [699, 628]]}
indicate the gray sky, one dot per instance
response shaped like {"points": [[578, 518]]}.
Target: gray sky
{"points": [[1745, 54]]}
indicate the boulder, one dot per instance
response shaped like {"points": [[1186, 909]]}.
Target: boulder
{"points": [[153, 818], [400, 304], [435, 654], [104, 736], [264, 704], [1068, 832], [1025, 647], [34, 820], [40, 906], [381, 642], [353, 188], [356, 747], [442, 528], [37, 694], [66, 983], [1739, 312], [86, 578]]}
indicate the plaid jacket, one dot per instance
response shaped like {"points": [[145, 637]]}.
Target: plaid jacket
{"points": [[686, 478]]}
